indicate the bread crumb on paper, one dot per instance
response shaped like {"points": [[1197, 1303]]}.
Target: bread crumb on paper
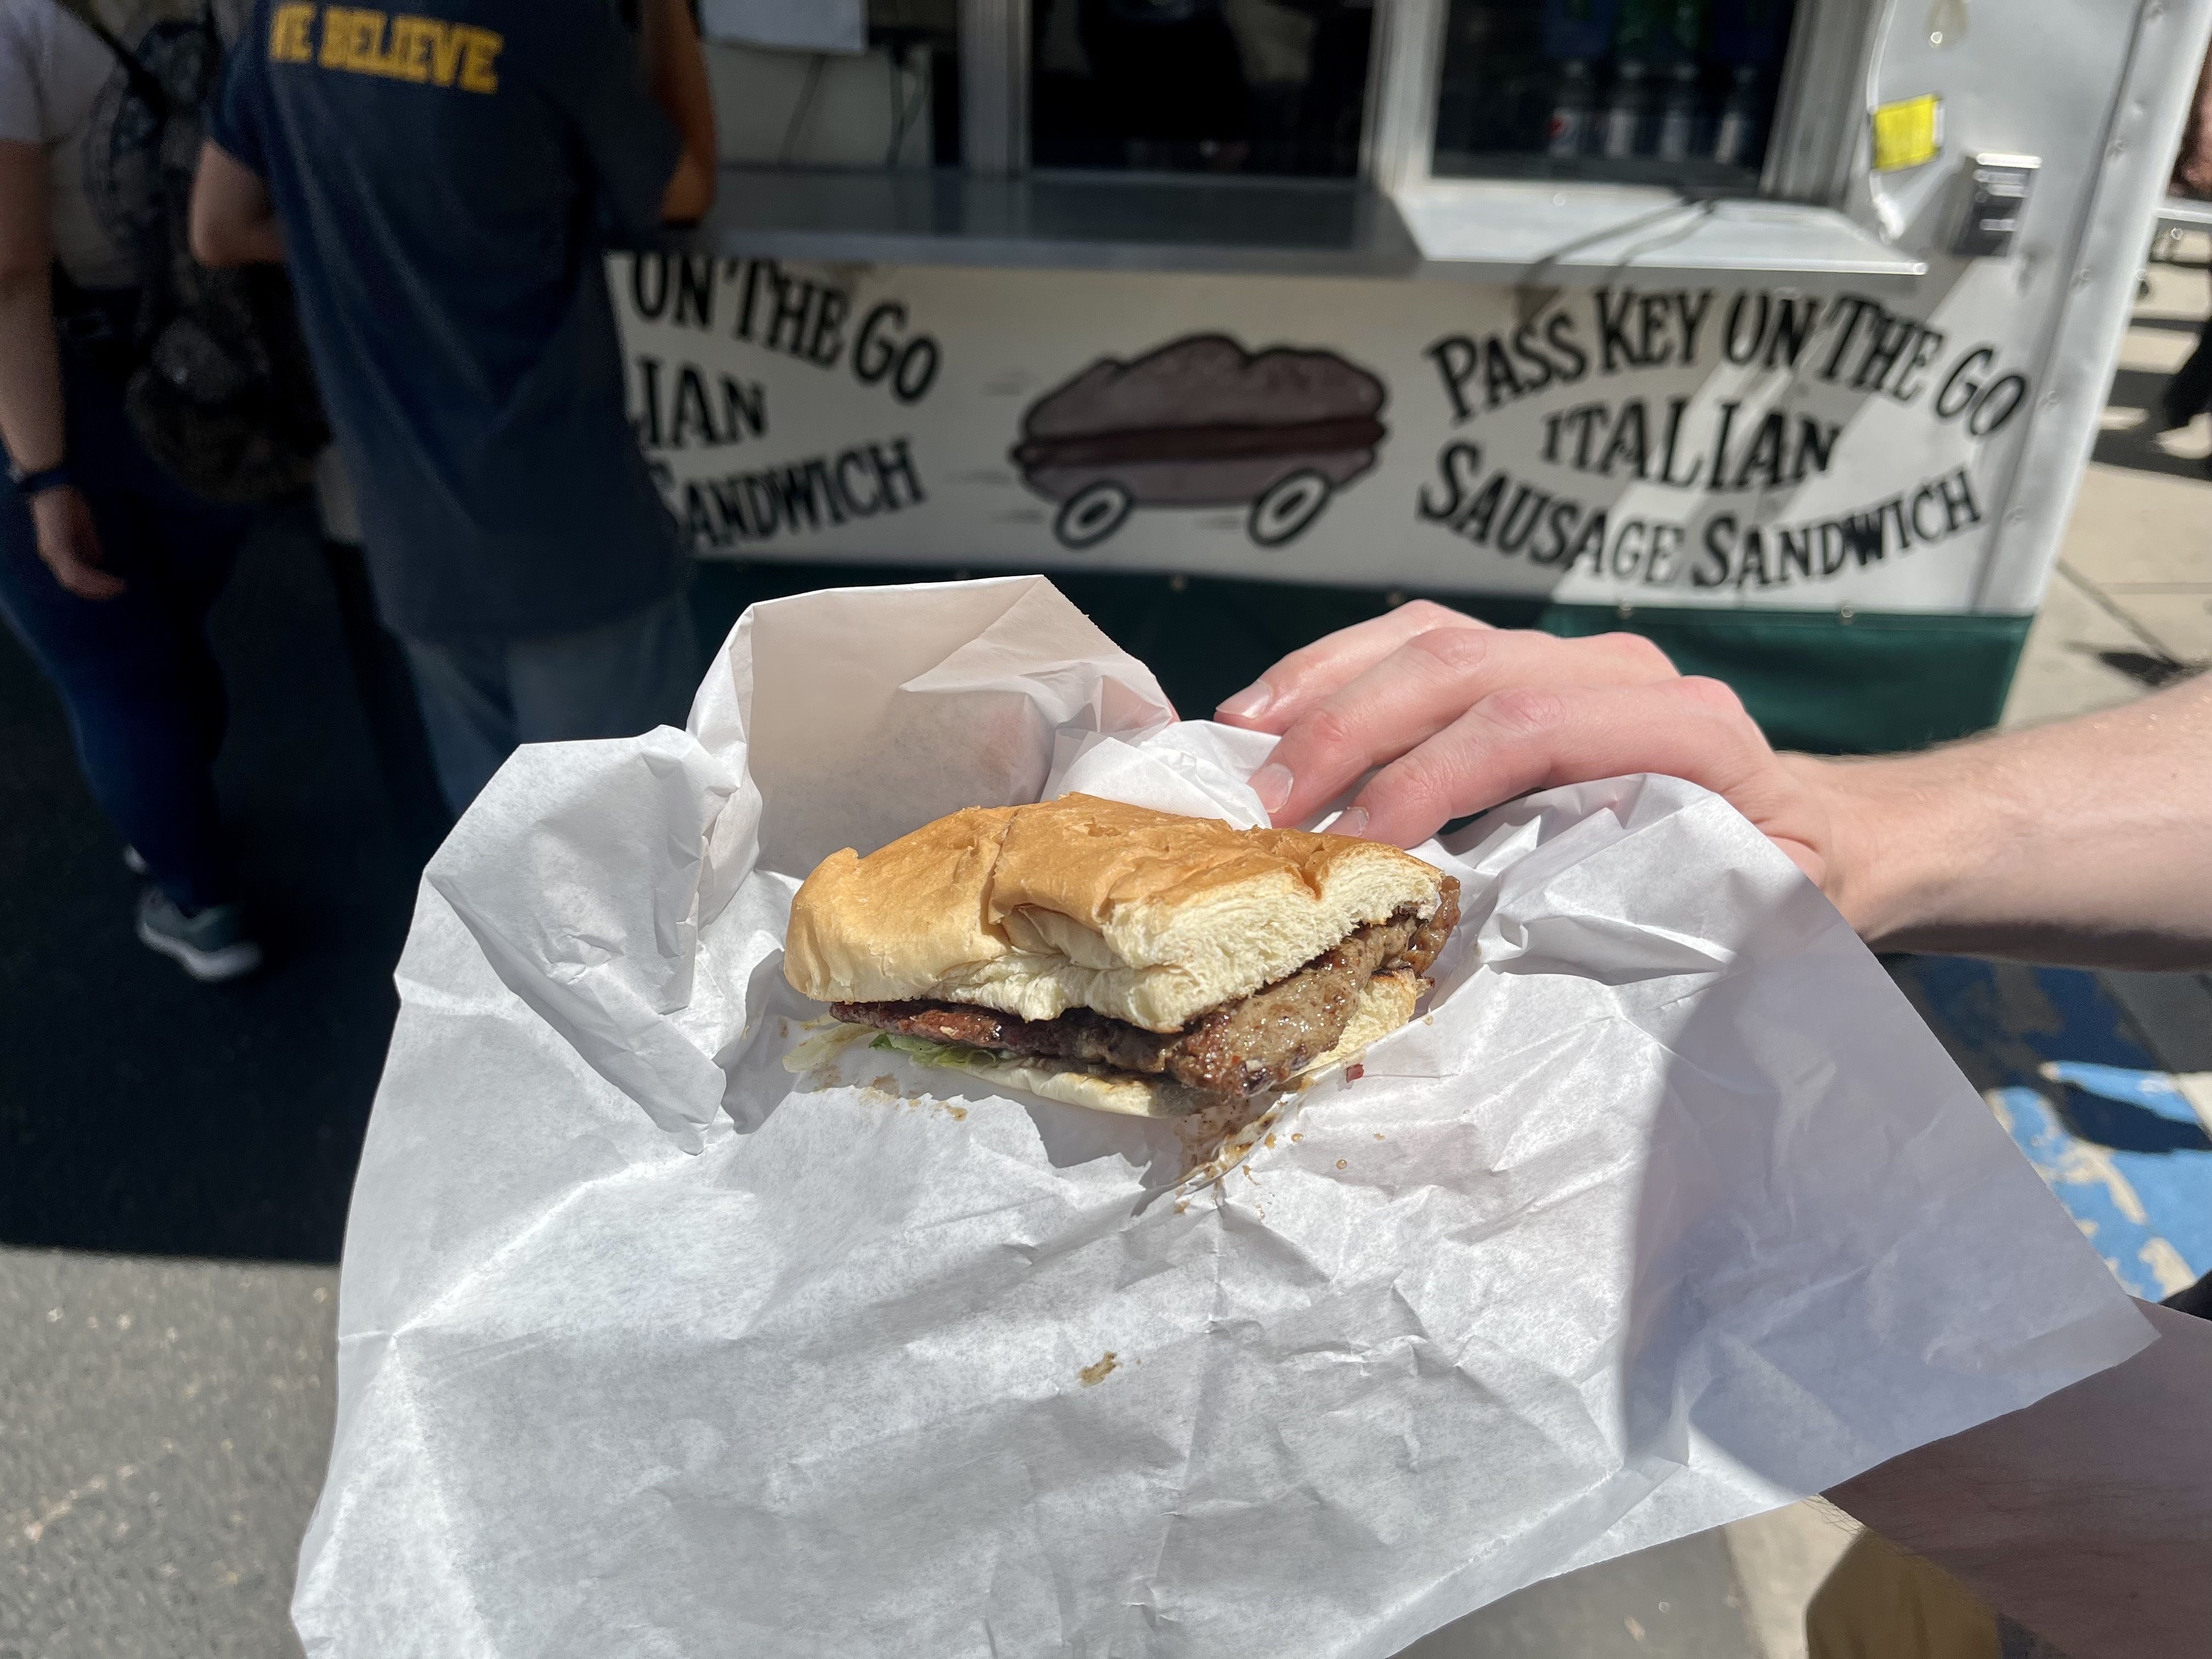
{"points": [[1092, 1375]]}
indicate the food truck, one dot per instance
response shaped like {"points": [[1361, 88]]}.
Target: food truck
{"points": [[1777, 329]]}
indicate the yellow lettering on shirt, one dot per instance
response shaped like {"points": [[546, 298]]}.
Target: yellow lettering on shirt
{"points": [[380, 60], [350, 35], [289, 27], [477, 74], [414, 39], [426, 51], [447, 57]]}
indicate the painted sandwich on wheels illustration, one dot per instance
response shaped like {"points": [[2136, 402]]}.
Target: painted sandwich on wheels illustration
{"points": [[1200, 421]]}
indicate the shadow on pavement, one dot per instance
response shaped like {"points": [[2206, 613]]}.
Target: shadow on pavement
{"points": [[139, 1111], [2136, 446], [2152, 670], [2188, 326], [2126, 1127], [142, 1113]]}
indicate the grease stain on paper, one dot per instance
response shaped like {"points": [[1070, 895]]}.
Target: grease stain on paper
{"points": [[886, 1091], [1217, 1139]]}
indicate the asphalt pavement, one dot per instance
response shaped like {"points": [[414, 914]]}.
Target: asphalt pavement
{"points": [[163, 1438]]}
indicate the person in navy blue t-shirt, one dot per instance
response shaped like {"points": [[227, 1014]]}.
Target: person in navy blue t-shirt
{"points": [[442, 187]]}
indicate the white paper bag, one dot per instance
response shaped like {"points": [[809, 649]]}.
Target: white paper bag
{"points": [[1669, 1211]]}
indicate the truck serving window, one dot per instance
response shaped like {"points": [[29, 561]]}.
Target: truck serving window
{"points": [[1205, 86], [847, 83], [1666, 92]]}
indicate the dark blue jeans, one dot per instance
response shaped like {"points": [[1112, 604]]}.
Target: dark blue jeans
{"points": [[481, 698], [145, 701]]}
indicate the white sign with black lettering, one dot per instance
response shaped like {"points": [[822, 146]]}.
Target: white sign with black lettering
{"points": [[1668, 444]]}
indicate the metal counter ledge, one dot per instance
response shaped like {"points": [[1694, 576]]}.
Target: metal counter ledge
{"points": [[1466, 230]]}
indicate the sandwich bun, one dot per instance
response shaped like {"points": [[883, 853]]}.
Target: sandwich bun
{"points": [[1139, 916]]}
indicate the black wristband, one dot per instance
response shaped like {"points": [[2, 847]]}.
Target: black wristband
{"points": [[57, 477]]}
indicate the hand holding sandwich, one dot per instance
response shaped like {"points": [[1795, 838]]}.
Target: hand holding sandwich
{"points": [[2082, 842], [2085, 841]]}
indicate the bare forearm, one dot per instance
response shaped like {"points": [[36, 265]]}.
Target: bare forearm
{"points": [[248, 242], [31, 421], [677, 75], [233, 222], [261, 244], [2086, 1517], [2088, 842]]}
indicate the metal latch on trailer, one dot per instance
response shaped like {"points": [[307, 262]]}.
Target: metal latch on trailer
{"points": [[1997, 196]]}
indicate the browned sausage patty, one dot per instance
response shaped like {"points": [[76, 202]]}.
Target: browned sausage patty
{"points": [[1246, 1047]]}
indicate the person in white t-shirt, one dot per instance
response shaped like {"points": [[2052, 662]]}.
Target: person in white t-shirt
{"points": [[107, 566]]}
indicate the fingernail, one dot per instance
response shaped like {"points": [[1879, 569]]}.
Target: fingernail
{"points": [[1249, 703], [1351, 821], [1272, 784]]}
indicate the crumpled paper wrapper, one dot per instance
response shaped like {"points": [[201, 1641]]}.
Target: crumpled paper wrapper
{"points": [[1670, 1210]]}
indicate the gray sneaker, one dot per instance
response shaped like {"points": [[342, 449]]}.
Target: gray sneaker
{"points": [[212, 943]]}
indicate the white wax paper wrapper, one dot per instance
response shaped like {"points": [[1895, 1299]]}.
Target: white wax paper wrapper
{"points": [[1669, 1210]]}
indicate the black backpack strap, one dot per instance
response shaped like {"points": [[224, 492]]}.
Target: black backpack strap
{"points": [[143, 80]]}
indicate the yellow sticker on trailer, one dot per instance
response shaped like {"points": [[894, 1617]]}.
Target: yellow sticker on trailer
{"points": [[1908, 132]]}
